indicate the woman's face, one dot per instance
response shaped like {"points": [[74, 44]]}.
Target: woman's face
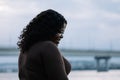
{"points": [[56, 39]]}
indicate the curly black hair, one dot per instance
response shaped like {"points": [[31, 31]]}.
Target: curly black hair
{"points": [[41, 28]]}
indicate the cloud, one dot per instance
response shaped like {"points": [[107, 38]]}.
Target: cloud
{"points": [[91, 23], [116, 1]]}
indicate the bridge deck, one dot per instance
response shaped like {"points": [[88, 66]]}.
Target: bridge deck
{"points": [[68, 52]]}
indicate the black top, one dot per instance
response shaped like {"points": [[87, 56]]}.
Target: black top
{"points": [[43, 61]]}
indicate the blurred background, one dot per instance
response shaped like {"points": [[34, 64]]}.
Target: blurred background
{"points": [[91, 41]]}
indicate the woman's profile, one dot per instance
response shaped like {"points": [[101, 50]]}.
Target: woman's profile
{"points": [[40, 58]]}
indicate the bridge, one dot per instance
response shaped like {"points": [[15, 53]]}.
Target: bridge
{"points": [[97, 54], [71, 52], [9, 52], [67, 52]]}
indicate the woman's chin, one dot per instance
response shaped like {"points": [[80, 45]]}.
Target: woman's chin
{"points": [[57, 42]]}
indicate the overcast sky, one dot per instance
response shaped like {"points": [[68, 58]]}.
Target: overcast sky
{"points": [[92, 24]]}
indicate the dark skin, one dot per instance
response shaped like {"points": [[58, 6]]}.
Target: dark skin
{"points": [[43, 61], [56, 39]]}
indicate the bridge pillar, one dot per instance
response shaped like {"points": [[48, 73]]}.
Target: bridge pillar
{"points": [[102, 63]]}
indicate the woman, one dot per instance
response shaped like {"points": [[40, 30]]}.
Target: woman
{"points": [[40, 58]]}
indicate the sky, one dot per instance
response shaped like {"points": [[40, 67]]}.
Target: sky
{"points": [[92, 24]]}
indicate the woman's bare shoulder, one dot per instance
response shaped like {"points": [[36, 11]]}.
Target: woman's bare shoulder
{"points": [[49, 45], [43, 46], [46, 44]]}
